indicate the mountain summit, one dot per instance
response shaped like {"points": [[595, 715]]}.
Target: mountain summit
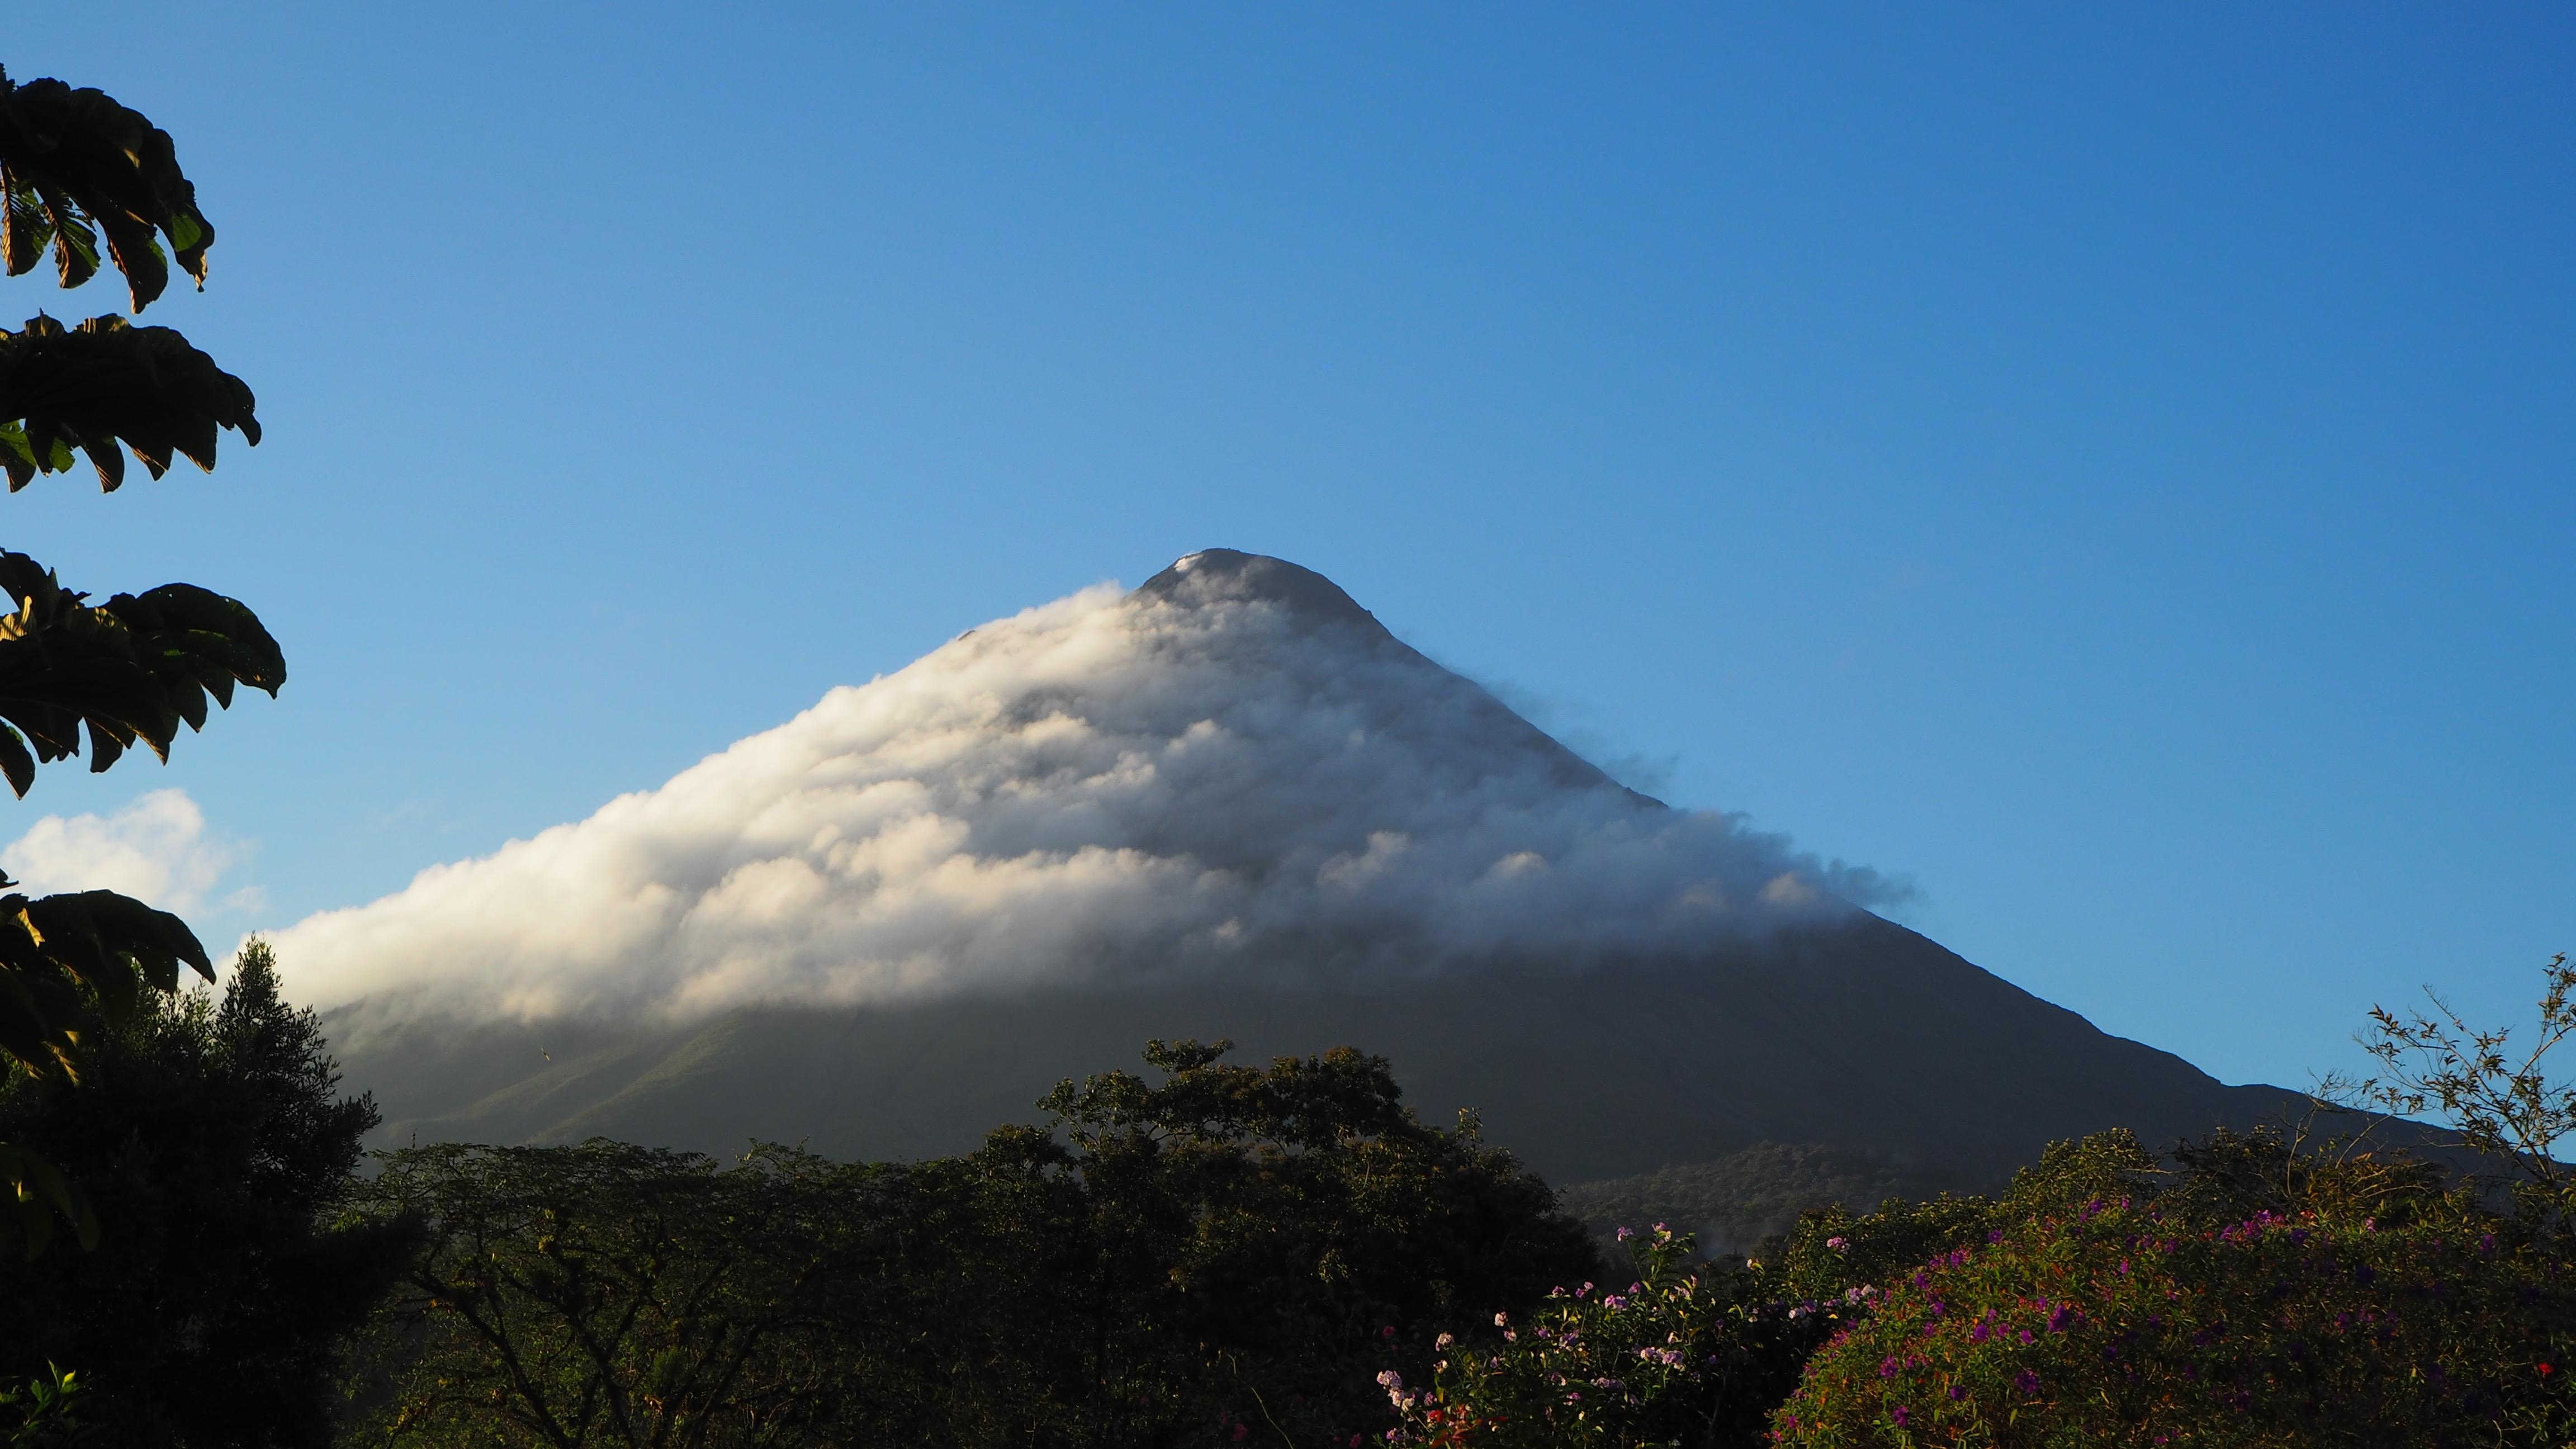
{"points": [[1225, 575], [1229, 802]]}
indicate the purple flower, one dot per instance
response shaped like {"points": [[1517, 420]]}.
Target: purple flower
{"points": [[2025, 1383], [1626, 1233], [1899, 1415]]}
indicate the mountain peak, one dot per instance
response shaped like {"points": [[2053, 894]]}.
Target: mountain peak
{"points": [[1223, 574]]}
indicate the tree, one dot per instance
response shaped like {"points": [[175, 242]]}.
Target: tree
{"points": [[76, 169], [210, 1134], [2503, 1104], [1252, 1241]]}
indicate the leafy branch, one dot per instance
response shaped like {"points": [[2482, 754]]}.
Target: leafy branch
{"points": [[75, 164], [131, 670], [2502, 1103], [102, 382]]}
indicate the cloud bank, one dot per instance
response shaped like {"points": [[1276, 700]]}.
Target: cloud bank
{"points": [[1232, 770]]}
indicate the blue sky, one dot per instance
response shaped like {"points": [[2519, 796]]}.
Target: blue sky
{"points": [[2112, 470]]}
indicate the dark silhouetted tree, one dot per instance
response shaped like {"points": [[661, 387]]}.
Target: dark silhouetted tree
{"points": [[211, 1136]]}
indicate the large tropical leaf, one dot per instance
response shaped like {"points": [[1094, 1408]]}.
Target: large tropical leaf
{"points": [[88, 387], [31, 1192], [75, 164], [57, 952], [132, 669]]}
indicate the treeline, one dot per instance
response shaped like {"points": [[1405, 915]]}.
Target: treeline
{"points": [[1157, 1262], [1161, 1259], [1214, 1253]]}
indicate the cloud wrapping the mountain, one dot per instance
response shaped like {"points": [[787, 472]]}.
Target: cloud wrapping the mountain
{"points": [[1222, 776]]}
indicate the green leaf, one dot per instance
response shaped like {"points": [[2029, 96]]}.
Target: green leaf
{"points": [[77, 153], [106, 382], [15, 763], [36, 1186]]}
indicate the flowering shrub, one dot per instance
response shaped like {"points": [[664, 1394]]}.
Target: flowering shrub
{"points": [[2119, 1322], [1684, 1352]]}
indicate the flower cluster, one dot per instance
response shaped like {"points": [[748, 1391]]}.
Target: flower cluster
{"points": [[1666, 1356], [2111, 1321]]}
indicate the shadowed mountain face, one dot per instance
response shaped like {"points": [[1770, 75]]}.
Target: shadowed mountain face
{"points": [[1228, 804], [1858, 1035]]}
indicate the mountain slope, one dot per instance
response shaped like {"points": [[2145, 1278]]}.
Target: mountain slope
{"points": [[1862, 1035], [1231, 804]]}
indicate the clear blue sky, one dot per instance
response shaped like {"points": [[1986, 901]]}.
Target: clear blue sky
{"points": [[2113, 470]]}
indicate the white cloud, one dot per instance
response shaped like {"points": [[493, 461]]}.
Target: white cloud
{"points": [[155, 849], [1226, 771]]}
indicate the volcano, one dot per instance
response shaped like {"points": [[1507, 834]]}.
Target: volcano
{"points": [[1228, 803]]}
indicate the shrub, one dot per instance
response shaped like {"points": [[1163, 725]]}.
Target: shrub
{"points": [[1686, 1352], [2120, 1322]]}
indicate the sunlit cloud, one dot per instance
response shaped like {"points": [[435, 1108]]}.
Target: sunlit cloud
{"points": [[157, 849], [1226, 772]]}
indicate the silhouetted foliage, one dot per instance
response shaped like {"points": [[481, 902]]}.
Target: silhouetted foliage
{"points": [[212, 1139], [76, 165], [103, 382], [2504, 1106], [1161, 1262]]}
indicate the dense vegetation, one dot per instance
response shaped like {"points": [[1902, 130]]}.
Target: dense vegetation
{"points": [[1162, 1261], [225, 1332], [1210, 1253], [209, 1137], [2239, 1292]]}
